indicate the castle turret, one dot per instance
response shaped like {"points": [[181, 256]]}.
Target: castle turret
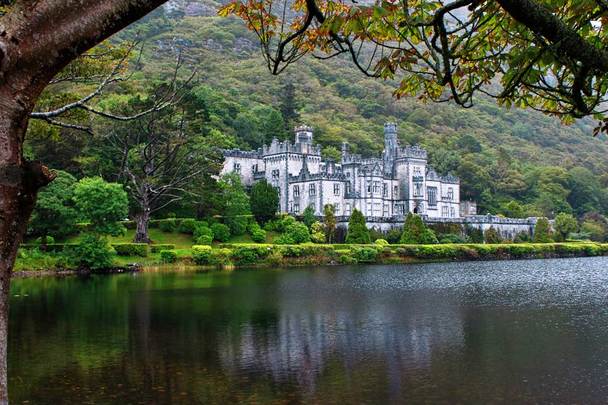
{"points": [[303, 134], [391, 144]]}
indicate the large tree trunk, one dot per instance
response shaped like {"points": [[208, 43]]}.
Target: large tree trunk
{"points": [[19, 184], [37, 40], [141, 233]]}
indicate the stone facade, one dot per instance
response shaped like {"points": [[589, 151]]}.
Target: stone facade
{"points": [[384, 189]]}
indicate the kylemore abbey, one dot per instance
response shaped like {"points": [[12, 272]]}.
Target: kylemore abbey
{"points": [[385, 189]]}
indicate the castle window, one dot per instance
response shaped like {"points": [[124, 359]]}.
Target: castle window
{"points": [[385, 210], [275, 174], [376, 186], [336, 208], [432, 193], [296, 208], [314, 207], [452, 212], [296, 191], [385, 190], [450, 194], [396, 191], [336, 188], [417, 189], [347, 209], [237, 168], [369, 187], [312, 189], [417, 171], [347, 174], [254, 168], [444, 211]]}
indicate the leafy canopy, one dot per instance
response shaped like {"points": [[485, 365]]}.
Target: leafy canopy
{"points": [[101, 203]]}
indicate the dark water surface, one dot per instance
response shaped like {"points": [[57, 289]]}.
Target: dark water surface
{"points": [[513, 331]]}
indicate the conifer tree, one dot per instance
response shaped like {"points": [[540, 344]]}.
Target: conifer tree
{"points": [[329, 221], [308, 216], [491, 235], [264, 201], [415, 231], [357, 230]]}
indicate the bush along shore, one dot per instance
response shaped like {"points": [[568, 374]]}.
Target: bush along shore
{"points": [[132, 256]]}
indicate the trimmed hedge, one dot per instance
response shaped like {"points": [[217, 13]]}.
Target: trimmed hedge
{"points": [[131, 249], [161, 246], [201, 254], [168, 256]]}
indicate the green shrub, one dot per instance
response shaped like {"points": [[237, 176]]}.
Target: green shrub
{"points": [[381, 242], [168, 225], [317, 232], [258, 235], [491, 235], [202, 229], [204, 240], [160, 247], [275, 258], [220, 232], [416, 232], [542, 231], [295, 233], [452, 238], [168, 256], [187, 226], [131, 249], [220, 256], [365, 254], [201, 254], [92, 252], [251, 254], [346, 257]]}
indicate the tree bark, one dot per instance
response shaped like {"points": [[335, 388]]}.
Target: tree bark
{"points": [[141, 233]]}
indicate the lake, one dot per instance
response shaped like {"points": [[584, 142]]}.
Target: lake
{"points": [[505, 331]]}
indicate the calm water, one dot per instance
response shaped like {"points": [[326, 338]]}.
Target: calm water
{"points": [[525, 331]]}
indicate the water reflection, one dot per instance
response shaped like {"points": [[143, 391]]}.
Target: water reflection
{"points": [[525, 331]]}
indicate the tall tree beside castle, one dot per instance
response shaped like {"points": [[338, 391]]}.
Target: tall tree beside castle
{"points": [[357, 230], [264, 200], [288, 106]]}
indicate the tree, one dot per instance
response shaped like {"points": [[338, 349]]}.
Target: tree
{"points": [[159, 159], [317, 232], [308, 216], [491, 235], [288, 106], [54, 213], [237, 207], [565, 224], [357, 230], [542, 231], [543, 55], [329, 221], [102, 204], [32, 52], [264, 200], [415, 231]]}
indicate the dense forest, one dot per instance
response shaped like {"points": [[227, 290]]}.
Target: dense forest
{"points": [[511, 161]]}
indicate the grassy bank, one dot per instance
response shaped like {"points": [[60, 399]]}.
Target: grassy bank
{"points": [[248, 254]]}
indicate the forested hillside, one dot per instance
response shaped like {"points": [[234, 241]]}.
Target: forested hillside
{"points": [[512, 161]]}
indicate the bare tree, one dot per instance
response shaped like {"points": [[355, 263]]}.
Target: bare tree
{"points": [[159, 160]]}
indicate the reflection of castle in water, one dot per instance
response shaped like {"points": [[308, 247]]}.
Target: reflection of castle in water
{"points": [[397, 330]]}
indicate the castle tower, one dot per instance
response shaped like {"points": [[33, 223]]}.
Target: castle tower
{"points": [[391, 144], [303, 134]]}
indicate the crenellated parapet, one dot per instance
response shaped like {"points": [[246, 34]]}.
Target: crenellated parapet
{"points": [[253, 154]]}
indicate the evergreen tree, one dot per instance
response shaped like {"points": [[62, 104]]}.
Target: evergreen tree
{"points": [[308, 216], [288, 106], [237, 204], [264, 201], [357, 230], [542, 231], [317, 232], [415, 231], [329, 221]]}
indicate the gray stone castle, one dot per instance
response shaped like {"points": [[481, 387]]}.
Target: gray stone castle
{"points": [[387, 187]]}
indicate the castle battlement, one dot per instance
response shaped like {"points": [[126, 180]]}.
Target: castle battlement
{"points": [[389, 186]]}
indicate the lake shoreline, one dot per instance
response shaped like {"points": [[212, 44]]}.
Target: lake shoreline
{"points": [[288, 256]]}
